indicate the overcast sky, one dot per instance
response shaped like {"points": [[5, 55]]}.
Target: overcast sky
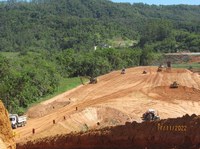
{"points": [[162, 2]]}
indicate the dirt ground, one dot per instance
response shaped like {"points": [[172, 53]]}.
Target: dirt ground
{"points": [[116, 99], [195, 59]]}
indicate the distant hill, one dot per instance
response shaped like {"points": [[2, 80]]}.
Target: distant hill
{"points": [[81, 24]]}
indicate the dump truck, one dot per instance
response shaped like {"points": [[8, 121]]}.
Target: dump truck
{"points": [[150, 115], [17, 121]]}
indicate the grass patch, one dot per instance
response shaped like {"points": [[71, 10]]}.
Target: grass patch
{"points": [[187, 65], [65, 85], [118, 42]]}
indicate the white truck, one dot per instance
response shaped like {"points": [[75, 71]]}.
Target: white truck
{"points": [[17, 121]]}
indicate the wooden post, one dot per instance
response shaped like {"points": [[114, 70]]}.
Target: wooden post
{"points": [[33, 131]]}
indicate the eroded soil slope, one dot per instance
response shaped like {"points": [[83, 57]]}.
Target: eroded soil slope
{"points": [[179, 133], [116, 99], [6, 135]]}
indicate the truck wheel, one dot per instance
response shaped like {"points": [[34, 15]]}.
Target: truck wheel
{"points": [[23, 124], [15, 126]]}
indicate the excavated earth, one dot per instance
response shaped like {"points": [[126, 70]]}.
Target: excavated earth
{"points": [[6, 136], [93, 110], [179, 133]]}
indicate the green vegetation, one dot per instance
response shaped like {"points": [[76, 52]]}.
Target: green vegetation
{"points": [[45, 42], [65, 85], [81, 25], [187, 65], [32, 76]]}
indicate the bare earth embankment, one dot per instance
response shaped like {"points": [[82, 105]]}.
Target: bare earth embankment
{"points": [[6, 135], [114, 100]]}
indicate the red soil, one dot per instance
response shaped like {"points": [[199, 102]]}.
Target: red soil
{"points": [[6, 135], [114, 100]]}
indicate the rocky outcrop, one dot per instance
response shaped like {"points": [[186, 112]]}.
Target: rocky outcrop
{"points": [[6, 135], [179, 133]]}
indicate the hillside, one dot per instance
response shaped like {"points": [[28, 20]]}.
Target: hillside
{"points": [[79, 24], [114, 100]]}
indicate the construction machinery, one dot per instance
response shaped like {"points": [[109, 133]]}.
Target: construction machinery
{"points": [[150, 115], [174, 85], [160, 68], [123, 71], [93, 80], [144, 72], [17, 121]]}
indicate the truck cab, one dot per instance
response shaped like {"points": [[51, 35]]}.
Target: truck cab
{"points": [[17, 121]]}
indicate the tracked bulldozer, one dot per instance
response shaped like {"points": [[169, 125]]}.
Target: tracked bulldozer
{"points": [[144, 72], [174, 85], [123, 71], [150, 115], [93, 80], [160, 68]]}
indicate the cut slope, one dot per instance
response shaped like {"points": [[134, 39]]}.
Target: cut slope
{"points": [[179, 133], [6, 135], [115, 99]]}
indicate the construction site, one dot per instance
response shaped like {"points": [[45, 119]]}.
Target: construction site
{"points": [[110, 113]]}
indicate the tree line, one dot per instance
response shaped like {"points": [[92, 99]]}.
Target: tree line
{"points": [[27, 77], [78, 24]]}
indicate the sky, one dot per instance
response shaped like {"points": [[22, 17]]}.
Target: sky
{"points": [[159, 2], [162, 2]]}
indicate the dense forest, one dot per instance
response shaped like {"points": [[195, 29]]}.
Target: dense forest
{"points": [[43, 41]]}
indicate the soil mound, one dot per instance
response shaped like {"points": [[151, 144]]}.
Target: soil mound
{"points": [[179, 133], [180, 93], [6, 135]]}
